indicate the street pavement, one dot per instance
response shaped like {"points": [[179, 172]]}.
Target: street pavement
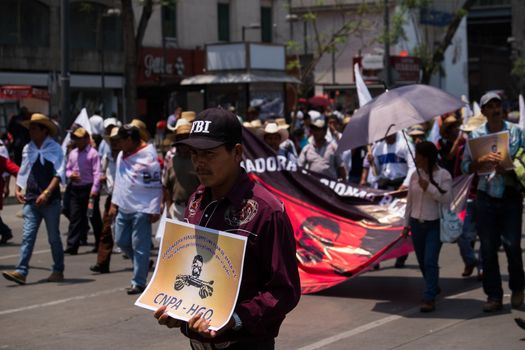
{"points": [[378, 310]]}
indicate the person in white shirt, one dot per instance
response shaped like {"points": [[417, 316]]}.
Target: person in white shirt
{"points": [[393, 162], [137, 195], [320, 156], [97, 127], [428, 188]]}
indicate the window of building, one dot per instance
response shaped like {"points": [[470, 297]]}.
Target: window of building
{"points": [[266, 24], [223, 15], [24, 23], [169, 21], [91, 27]]}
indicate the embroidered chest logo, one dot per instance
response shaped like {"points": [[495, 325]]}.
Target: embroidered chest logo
{"points": [[194, 206], [243, 216]]}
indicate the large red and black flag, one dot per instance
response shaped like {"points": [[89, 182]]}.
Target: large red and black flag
{"points": [[341, 230]]}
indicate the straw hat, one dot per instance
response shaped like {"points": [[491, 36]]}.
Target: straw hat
{"points": [[79, 133], [281, 122], [274, 128], [144, 133], [41, 119], [447, 123], [183, 126], [416, 130], [188, 115], [474, 123], [254, 124]]}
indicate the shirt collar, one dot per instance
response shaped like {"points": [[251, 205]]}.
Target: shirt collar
{"points": [[242, 186], [86, 149], [485, 128]]}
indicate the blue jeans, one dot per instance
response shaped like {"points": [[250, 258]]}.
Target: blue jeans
{"points": [[465, 241], [33, 216], [133, 236], [499, 222], [427, 245]]}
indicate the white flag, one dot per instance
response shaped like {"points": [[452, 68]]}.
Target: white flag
{"points": [[82, 120], [476, 108], [466, 112], [522, 113], [362, 91]]}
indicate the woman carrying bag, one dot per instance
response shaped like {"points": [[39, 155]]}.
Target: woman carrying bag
{"points": [[428, 188]]}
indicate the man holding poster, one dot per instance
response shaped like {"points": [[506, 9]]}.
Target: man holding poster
{"points": [[229, 201], [498, 205]]}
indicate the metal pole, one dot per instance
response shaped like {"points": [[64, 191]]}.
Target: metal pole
{"points": [[243, 30], [64, 64], [388, 76], [333, 66], [102, 72], [305, 32], [291, 21]]}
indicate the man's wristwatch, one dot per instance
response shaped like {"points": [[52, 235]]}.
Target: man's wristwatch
{"points": [[238, 322]]}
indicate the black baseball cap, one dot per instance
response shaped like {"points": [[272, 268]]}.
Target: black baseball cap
{"points": [[212, 128], [128, 130]]}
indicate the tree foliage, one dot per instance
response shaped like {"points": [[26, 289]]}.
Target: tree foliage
{"points": [[351, 21], [355, 22]]}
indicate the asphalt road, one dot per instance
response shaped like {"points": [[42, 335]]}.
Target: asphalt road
{"points": [[378, 310]]}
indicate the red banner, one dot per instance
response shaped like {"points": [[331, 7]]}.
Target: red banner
{"points": [[341, 230], [17, 92]]}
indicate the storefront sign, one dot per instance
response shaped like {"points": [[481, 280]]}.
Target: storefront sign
{"points": [[404, 69], [156, 65], [17, 92]]}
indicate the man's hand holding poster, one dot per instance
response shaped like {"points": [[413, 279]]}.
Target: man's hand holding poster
{"points": [[492, 143], [198, 271]]}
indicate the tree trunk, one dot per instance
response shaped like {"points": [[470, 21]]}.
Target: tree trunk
{"points": [[130, 60], [439, 52], [147, 10], [132, 44]]}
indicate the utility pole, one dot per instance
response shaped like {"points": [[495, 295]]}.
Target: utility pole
{"points": [[64, 64], [388, 73]]}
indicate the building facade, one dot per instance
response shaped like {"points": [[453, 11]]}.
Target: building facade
{"points": [[30, 53]]}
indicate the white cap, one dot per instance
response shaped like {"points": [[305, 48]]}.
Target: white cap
{"points": [[112, 121], [317, 119], [489, 96]]}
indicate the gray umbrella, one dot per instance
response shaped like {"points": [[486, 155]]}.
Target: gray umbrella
{"points": [[395, 110]]}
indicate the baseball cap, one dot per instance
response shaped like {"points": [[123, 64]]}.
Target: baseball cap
{"points": [[111, 121], [114, 132], [489, 96], [317, 119], [127, 130], [212, 128]]}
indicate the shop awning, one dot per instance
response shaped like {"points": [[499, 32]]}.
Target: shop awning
{"points": [[17, 92], [240, 78]]}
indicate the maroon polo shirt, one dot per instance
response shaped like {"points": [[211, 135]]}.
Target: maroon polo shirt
{"points": [[270, 285]]}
